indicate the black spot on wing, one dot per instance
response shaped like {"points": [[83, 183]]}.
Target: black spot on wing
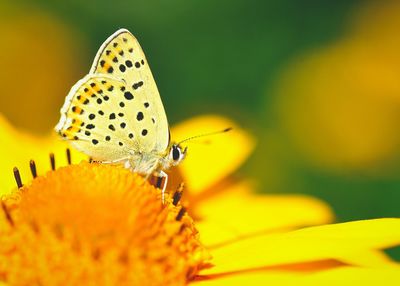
{"points": [[128, 95], [140, 116], [137, 85]]}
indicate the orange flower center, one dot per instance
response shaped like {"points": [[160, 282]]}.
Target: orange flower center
{"points": [[91, 224]]}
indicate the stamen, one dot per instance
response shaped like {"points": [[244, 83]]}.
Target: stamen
{"points": [[52, 161], [178, 194], [181, 212], [32, 165], [17, 177], [69, 156], [7, 214], [90, 160]]}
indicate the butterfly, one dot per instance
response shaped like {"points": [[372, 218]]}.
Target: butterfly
{"points": [[115, 114]]}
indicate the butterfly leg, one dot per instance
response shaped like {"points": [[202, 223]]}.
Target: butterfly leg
{"points": [[159, 182], [160, 176]]}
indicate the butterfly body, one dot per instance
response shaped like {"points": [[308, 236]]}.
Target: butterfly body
{"points": [[115, 114]]}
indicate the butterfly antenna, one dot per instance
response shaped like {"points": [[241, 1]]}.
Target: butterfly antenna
{"points": [[206, 134]]}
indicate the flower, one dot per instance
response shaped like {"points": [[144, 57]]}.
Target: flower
{"points": [[38, 45], [18, 148], [70, 224], [345, 96]]}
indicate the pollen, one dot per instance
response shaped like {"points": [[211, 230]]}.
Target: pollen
{"points": [[92, 224]]}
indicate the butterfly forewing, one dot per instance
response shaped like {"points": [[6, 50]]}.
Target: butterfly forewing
{"points": [[116, 109], [122, 57]]}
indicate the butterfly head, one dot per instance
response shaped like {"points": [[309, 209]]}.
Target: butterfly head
{"points": [[176, 154]]}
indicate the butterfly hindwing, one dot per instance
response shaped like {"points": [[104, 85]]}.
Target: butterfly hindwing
{"points": [[122, 57], [107, 119]]}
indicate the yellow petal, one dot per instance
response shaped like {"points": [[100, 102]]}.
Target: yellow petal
{"points": [[43, 45], [309, 244], [213, 157], [354, 276], [18, 148], [342, 276], [369, 258], [265, 278], [245, 213]]}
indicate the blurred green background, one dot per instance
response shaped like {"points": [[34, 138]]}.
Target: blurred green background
{"points": [[317, 82]]}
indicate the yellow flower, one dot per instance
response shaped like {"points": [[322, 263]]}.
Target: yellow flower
{"points": [[92, 224], [345, 96], [36, 44]]}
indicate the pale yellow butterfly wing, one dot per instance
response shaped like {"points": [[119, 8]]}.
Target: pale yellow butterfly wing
{"points": [[122, 57], [111, 114]]}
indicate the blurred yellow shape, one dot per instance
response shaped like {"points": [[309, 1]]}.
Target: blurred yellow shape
{"points": [[18, 148], [40, 61], [340, 104], [219, 155], [255, 214]]}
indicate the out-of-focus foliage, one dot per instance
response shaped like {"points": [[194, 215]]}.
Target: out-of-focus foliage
{"points": [[334, 118], [207, 56]]}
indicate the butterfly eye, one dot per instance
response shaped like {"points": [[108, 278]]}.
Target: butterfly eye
{"points": [[176, 153]]}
